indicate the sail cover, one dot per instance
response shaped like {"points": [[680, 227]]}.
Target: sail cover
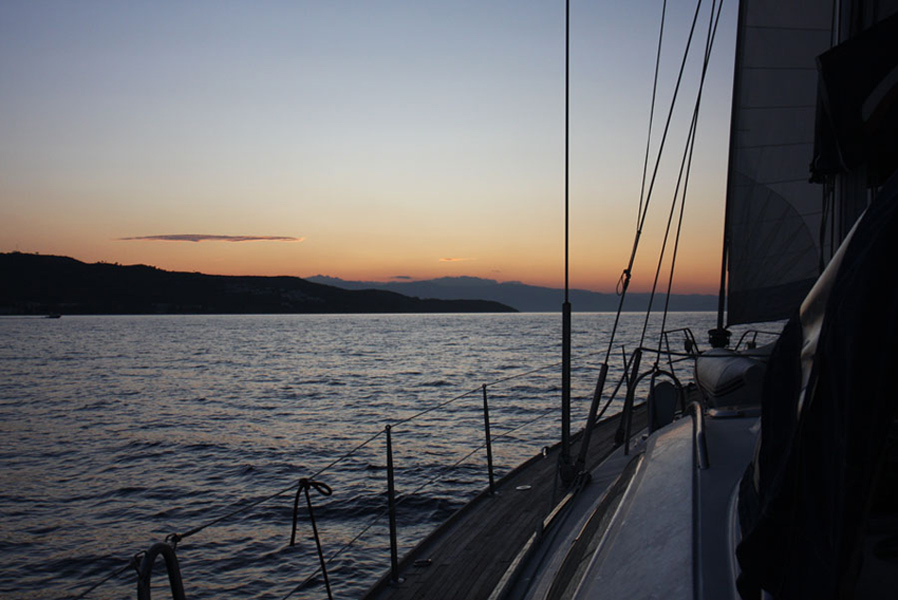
{"points": [[773, 212]]}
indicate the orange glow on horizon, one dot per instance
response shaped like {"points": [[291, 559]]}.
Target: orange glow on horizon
{"points": [[377, 163], [217, 260]]}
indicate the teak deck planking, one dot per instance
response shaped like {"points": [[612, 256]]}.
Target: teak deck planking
{"points": [[466, 558]]}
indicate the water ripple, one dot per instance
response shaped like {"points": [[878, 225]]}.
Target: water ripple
{"points": [[117, 431]]}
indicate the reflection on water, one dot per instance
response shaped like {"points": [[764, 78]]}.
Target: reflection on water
{"points": [[117, 431]]}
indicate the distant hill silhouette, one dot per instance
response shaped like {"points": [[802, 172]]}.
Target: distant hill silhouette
{"points": [[523, 297], [39, 284]]}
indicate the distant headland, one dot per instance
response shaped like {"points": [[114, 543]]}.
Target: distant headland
{"points": [[527, 298], [35, 284]]}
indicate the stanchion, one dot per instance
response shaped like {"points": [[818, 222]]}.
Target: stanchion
{"points": [[489, 441], [391, 497]]}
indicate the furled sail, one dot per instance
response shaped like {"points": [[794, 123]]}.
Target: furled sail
{"points": [[773, 212]]}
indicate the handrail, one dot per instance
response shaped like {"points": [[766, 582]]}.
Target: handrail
{"points": [[687, 333], [701, 442], [754, 333], [691, 346], [633, 378]]}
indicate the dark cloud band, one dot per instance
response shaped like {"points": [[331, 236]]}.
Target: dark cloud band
{"points": [[198, 237]]}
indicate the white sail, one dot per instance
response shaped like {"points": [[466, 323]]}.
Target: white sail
{"points": [[773, 212]]}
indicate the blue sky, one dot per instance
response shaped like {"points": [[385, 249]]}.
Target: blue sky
{"points": [[375, 139]]}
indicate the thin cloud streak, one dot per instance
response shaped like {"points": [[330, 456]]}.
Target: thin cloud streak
{"points": [[199, 237], [455, 259]]}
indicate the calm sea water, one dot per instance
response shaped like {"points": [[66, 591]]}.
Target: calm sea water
{"points": [[117, 431]]}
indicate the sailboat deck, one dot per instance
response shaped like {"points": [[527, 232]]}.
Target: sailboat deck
{"points": [[468, 556]]}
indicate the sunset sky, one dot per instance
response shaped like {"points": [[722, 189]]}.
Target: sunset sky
{"points": [[370, 139]]}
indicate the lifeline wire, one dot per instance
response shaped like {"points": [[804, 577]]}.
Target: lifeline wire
{"points": [[175, 538], [383, 513]]}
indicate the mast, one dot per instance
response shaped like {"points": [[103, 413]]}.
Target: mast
{"points": [[566, 462]]}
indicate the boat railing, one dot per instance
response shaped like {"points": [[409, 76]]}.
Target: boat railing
{"points": [[689, 343], [691, 351], [750, 338], [654, 373], [314, 482], [634, 377], [701, 443], [145, 571]]}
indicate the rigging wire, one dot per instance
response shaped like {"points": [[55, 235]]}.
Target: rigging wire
{"points": [[112, 575], [712, 34], [682, 177], [670, 112], [648, 141], [627, 273], [645, 199], [625, 278]]}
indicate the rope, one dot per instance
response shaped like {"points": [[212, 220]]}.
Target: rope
{"points": [[627, 364], [130, 564], [336, 554], [682, 178], [325, 490], [670, 112], [305, 484], [478, 390], [684, 170], [435, 407]]}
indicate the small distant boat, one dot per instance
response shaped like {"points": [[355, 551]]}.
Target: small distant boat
{"points": [[53, 316]]}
